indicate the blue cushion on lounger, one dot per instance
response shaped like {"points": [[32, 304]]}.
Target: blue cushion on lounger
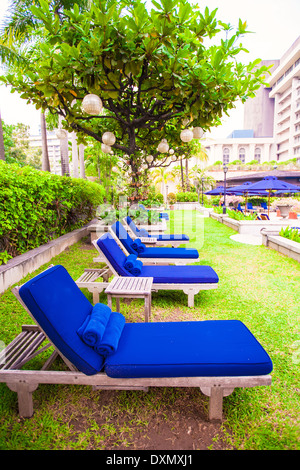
{"points": [[176, 253], [187, 349], [161, 274], [180, 274], [113, 253], [143, 233], [149, 252], [60, 308], [170, 237]]}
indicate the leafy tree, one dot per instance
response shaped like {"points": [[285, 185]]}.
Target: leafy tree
{"points": [[16, 145], [151, 65]]}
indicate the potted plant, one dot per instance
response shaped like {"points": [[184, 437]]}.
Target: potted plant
{"points": [[171, 200], [284, 205]]}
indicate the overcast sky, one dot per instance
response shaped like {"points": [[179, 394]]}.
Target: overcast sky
{"points": [[275, 25]]}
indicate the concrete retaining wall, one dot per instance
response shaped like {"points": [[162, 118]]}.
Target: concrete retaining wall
{"points": [[282, 245], [18, 267], [254, 227]]}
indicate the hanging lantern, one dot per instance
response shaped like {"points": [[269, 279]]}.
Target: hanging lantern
{"points": [[108, 138], [197, 133], [171, 151], [149, 158], [173, 158], [186, 135], [92, 104], [61, 133], [163, 146], [185, 122], [105, 148]]}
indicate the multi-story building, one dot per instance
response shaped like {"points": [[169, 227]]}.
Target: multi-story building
{"points": [[285, 83], [271, 119], [53, 144]]}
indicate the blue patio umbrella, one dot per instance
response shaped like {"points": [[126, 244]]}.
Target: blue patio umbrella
{"points": [[216, 191], [271, 183], [243, 190]]}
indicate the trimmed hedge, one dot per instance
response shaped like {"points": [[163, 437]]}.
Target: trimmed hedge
{"points": [[37, 206], [187, 197]]}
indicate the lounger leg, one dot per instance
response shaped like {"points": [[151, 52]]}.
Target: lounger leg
{"points": [[147, 307], [216, 404], [215, 394], [25, 402]]}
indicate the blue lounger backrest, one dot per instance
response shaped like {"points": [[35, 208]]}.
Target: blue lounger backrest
{"points": [[123, 236], [60, 308], [113, 253], [132, 225]]}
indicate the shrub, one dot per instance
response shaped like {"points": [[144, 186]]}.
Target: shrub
{"points": [[290, 233], [237, 215], [187, 197], [36, 206]]}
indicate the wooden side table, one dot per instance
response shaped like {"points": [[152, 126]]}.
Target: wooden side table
{"points": [[130, 287]]}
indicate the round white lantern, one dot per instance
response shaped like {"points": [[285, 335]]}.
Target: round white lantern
{"points": [[163, 147], [186, 135], [91, 104], [197, 133], [105, 148], [108, 138], [173, 158], [171, 151], [61, 133], [149, 158]]}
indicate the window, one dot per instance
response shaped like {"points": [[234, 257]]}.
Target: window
{"points": [[242, 155], [257, 154], [226, 154]]}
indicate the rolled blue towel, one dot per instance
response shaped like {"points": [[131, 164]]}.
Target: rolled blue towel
{"points": [[141, 247], [138, 246], [129, 262], [93, 328], [112, 334], [137, 268]]}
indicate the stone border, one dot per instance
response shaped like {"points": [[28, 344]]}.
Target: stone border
{"points": [[252, 227], [281, 244], [18, 267]]}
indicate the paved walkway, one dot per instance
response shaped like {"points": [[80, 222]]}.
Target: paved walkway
{"points": [[248, 239]]}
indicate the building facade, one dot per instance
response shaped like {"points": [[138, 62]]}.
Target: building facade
{"points": [[53, 144], [285, 83], [271, 119], [241, 148]]}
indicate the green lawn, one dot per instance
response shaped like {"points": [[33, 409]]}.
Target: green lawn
{"points": [[257, 286]]}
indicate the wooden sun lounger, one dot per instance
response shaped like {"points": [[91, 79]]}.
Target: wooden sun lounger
{"points": [[150, 241], [28, 344], [91, 280], [24, 382]]}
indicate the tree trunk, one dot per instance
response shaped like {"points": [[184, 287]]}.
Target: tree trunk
{"points": [[64, 156], [187, 181], [81, 160], [182, 177], [45, 154], [74, 155], [64, 152], [2, 151]]}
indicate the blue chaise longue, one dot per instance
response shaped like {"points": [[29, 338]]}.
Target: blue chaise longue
{"points": [[103, 351]]}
